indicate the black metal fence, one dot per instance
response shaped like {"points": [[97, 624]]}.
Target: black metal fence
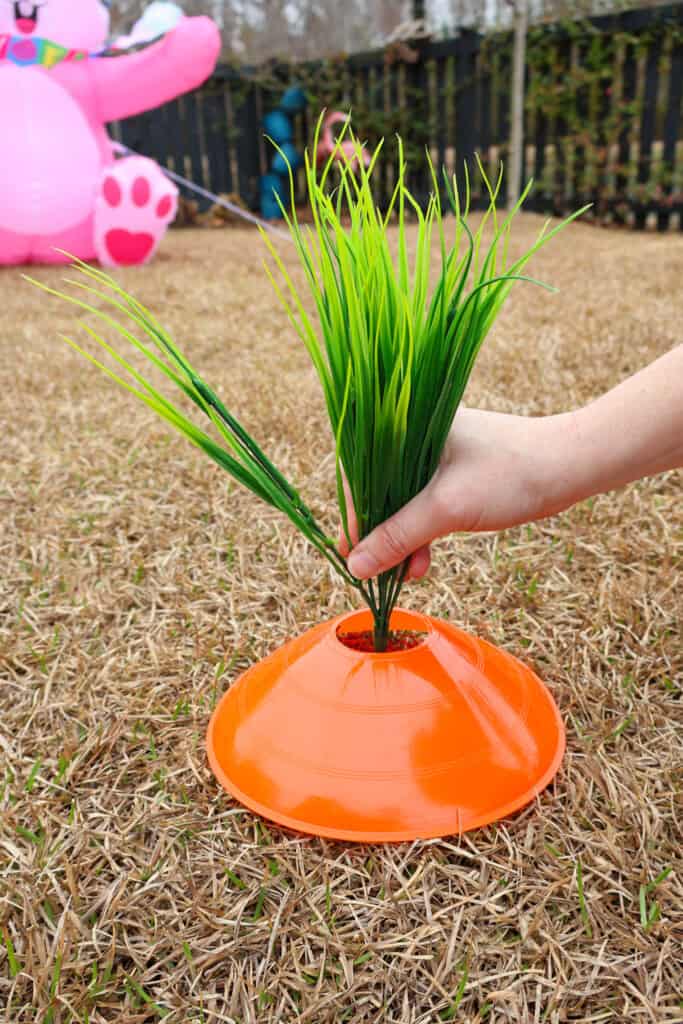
{"points": [[602, 115]]}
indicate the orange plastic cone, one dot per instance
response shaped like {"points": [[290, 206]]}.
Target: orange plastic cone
{"points": [[431, 741]]}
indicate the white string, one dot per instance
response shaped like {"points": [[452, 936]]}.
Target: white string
{"points": [[225, 203]]}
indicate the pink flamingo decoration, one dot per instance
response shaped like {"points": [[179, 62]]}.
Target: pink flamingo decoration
{"points": [[345, 150]]}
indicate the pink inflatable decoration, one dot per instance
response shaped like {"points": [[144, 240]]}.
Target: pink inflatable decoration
{"points": [[344, 150], [60, 185]]}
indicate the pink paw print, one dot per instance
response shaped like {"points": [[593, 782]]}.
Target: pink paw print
{"points": [[136, 204]]}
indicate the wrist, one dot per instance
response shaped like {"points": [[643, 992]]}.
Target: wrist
{"points": [[594, 451], [632, 431], [567, 471]]}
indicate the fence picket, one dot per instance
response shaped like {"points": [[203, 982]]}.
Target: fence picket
{"points": [[465, 112], [672, 122], [647, 131], [216, 127]]}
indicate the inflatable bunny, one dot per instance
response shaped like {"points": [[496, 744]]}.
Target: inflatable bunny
{"points": [[60, 185]]}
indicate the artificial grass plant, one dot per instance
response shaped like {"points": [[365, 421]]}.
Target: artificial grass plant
{"points": [[393, 358]]}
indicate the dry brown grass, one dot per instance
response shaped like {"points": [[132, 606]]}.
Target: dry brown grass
{"points": [[137, 583]]}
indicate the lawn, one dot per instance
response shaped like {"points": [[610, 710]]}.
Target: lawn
{"points": [[138, 582]]}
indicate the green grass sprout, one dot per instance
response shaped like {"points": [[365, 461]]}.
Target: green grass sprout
{"points": [[583, 907], [14, 965], [393, 356], [650, 911]]}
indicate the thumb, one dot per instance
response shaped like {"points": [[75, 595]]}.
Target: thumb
{"points": [[413, 527]]}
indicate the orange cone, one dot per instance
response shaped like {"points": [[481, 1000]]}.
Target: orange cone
{"points": [[432, 741]]}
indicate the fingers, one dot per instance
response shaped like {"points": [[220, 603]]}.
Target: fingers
{"points": [[408, 532], [419, 563], [417, 568]]}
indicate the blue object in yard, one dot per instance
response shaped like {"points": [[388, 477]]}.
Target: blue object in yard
{"points": [[278, 126], [272, 185], [288, 155], [294, 100]]}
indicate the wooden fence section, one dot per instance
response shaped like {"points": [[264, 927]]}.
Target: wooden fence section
{"points": [[602, 121]]}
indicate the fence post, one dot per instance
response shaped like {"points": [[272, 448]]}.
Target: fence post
{"points": [[514, 170], [466, 127]]}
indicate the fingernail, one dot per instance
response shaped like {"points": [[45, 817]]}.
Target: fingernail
{"points": [[362, 565]]}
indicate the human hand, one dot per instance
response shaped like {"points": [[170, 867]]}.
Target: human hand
{"points": [[419, 561], [496, 471]]}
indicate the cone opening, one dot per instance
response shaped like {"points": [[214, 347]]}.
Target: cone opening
{"points": [[399, 640], [409, 631]]}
